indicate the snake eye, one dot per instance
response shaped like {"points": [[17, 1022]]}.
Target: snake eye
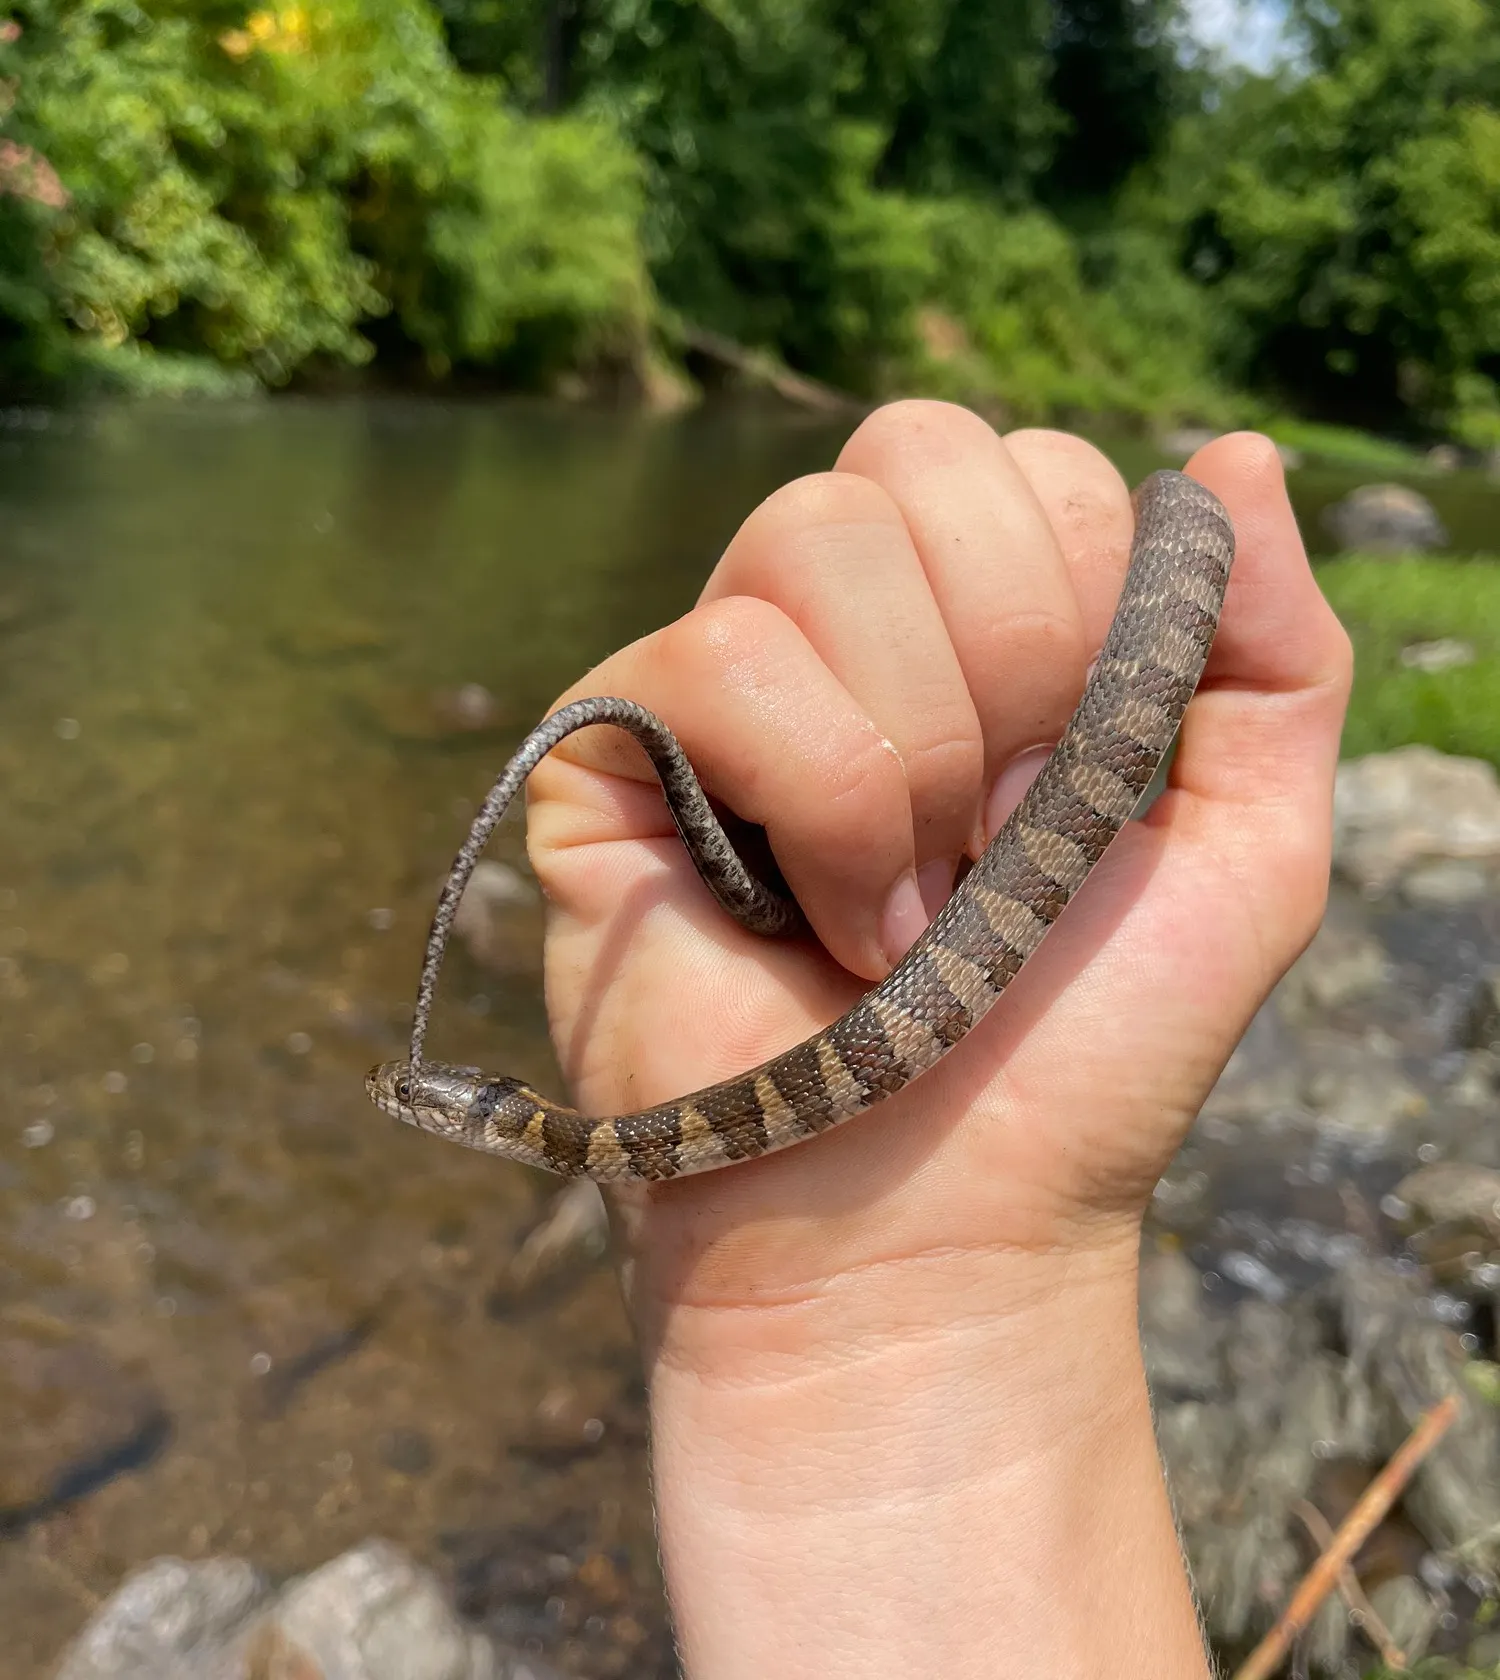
{"points": [[403, 1089]]}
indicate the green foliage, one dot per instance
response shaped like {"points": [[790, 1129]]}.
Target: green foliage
{"points": [[1387, 605], [1027, 203], [1349, 217], [1130, 338], [1344, 446], [1116, 82], [260, 194]]}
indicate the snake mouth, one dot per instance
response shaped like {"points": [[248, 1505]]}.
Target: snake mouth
{"points": [[383, 1086]]}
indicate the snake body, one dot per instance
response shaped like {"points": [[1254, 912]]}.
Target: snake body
{"points": [[996, 918]]}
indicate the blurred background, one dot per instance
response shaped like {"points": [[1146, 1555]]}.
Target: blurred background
{"points": [[367, 371]]}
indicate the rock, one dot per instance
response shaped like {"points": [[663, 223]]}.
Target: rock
{"points": [[372, 1614], [1481, 1023], [1445, 654], [433, 717], [494, 916], [1453, 1194], [1185, 441], [1385, 519], [1410, 1616], [1343, 965], [469, 708], [1475, 1082], [1355, 1087], [577, 1223], [173, 1620], [1177, 1336], [1444, 458], [1400, 816], [565, 1427], [407, 1451], [1447, 883], [1409, 1362]]}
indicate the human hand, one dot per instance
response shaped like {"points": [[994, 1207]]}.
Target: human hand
{"points": [[868, 669]]}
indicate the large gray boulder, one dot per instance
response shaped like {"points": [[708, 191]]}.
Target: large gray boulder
{"points": [[1421, 822], [1385, 519]]}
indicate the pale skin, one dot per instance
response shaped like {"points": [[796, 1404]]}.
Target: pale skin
{"points": [[900, 1423]]}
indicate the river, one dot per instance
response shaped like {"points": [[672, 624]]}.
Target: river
{"points": [[239, 1312]]}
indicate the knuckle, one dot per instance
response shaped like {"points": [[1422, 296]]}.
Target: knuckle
{"points": [[947, 771], [1045, 656], [909, 417], [865, 778], [828, 498], [726, 631]]}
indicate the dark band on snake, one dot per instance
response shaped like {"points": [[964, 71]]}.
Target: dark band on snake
{"points": [[999, 913]]}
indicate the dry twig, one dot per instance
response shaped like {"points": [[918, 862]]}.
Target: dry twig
{"points": [[1355, 1529], [1352, 1592]]}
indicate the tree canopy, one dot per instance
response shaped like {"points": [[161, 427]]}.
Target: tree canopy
{"points": [[1050, 205]]}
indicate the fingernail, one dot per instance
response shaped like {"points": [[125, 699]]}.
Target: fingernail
{"points": [[1010, 785], [936, 882], [904, 920]]}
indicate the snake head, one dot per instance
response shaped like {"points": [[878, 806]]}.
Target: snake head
{"points": [[438, 1098]]}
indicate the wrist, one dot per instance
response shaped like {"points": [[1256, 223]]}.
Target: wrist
{"points": [[879, 1476]]}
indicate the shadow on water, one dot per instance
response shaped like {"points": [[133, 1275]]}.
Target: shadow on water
{"points": [[239, 1312]]}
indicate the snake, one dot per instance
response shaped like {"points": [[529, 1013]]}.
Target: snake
{"points": [[1132, 705]]}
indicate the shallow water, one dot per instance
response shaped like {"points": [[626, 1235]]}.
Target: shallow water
{"points": [[238, 1311]]}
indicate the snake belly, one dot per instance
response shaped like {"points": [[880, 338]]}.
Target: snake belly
{"points": [[998, 915]]}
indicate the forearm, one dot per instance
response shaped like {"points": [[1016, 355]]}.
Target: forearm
{"points": [[951, 1472]]}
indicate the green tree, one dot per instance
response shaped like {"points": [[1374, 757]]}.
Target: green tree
{"points": [[260, 187], [1348, 217], [1118, 85]]}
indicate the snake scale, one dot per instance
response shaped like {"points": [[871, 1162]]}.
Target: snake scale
{"points": [[997, 916]]}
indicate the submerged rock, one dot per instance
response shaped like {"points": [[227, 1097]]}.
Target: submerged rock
{"points": [[173, 1620], [433, 717], [372, 1614], [497, 918], [1385, 519], [576, 1225]]}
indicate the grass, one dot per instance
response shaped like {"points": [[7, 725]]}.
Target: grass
{"points": [[1387, 605], [1343, 446]]}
